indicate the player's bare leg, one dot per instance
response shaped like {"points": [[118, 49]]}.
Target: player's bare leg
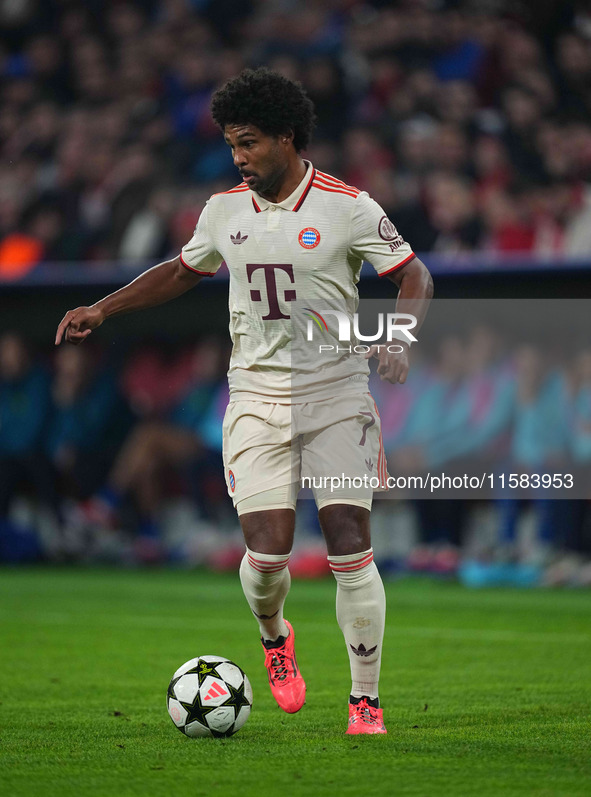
{"points": [[265, 580], [361, 608]]}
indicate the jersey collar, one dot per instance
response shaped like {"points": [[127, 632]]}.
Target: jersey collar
{"points": [[295, 200]]}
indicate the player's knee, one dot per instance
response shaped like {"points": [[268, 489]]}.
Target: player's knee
{"points": [[269, 532], [345, 528]]}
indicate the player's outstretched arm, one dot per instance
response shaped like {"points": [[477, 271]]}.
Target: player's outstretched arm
{"points": [[157, 285], [415, 291]]}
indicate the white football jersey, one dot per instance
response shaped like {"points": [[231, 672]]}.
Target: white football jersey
{"points": [[289, 262]]}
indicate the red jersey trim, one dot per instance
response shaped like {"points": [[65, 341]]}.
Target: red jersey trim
{"points": [[256, 207], [335, 190], [404, 262], [300, 201], [241, 187], [194, 270], [332, 181]]}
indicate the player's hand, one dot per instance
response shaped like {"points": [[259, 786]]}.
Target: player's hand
{"points": [[77, 324], [393, 366]]}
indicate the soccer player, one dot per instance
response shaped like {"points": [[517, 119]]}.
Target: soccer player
{"points": [[290, 234]]}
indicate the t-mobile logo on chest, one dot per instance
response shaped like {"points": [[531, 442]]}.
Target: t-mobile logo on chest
{"points": [[269, 270]]}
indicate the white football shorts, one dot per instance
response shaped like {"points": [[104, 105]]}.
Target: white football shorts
{"points": [[333, 446]]}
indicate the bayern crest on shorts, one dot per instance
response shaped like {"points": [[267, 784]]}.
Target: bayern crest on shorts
{"points": [[309, 238], [231, 481]]}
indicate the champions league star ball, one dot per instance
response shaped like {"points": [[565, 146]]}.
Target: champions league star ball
{"points": [[209, 696]]}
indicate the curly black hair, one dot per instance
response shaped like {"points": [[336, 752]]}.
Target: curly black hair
{"points": [[267, 100]]}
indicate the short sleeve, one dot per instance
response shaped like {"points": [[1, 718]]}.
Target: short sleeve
{"points": [[200, 254], [375, 238]]}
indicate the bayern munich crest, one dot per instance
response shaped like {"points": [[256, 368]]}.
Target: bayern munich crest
{"points": [[309, 238], [231, 480]]}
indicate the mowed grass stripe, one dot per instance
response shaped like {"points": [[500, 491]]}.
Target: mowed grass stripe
{"points": [[161, 622]]}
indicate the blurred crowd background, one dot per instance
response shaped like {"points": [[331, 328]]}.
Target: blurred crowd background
{"points": [[469, 121], [124, 464]]}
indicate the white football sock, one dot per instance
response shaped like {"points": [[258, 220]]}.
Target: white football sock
{"points": [[265, 581], [361, 614]]}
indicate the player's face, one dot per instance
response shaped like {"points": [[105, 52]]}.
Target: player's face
{"points": [[262, 160]]}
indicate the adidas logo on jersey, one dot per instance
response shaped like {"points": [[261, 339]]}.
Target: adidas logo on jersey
{"points": [[238, 239]]}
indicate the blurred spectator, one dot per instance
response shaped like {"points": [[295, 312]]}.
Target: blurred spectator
{"points": [[436, 411], [492, 170], [452, 222], [573, 57], [540, 433], [325, 86], [187, 438], [580, 420], [575, 516], [87, 423], [25, 400], [539, 445], [363, 152], [146, 235], [24, 467]]}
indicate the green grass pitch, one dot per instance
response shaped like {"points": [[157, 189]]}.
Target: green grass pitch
{"points": [[485, 693]]}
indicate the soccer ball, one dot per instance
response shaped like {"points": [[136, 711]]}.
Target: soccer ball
{"points": [[209, 696]]}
